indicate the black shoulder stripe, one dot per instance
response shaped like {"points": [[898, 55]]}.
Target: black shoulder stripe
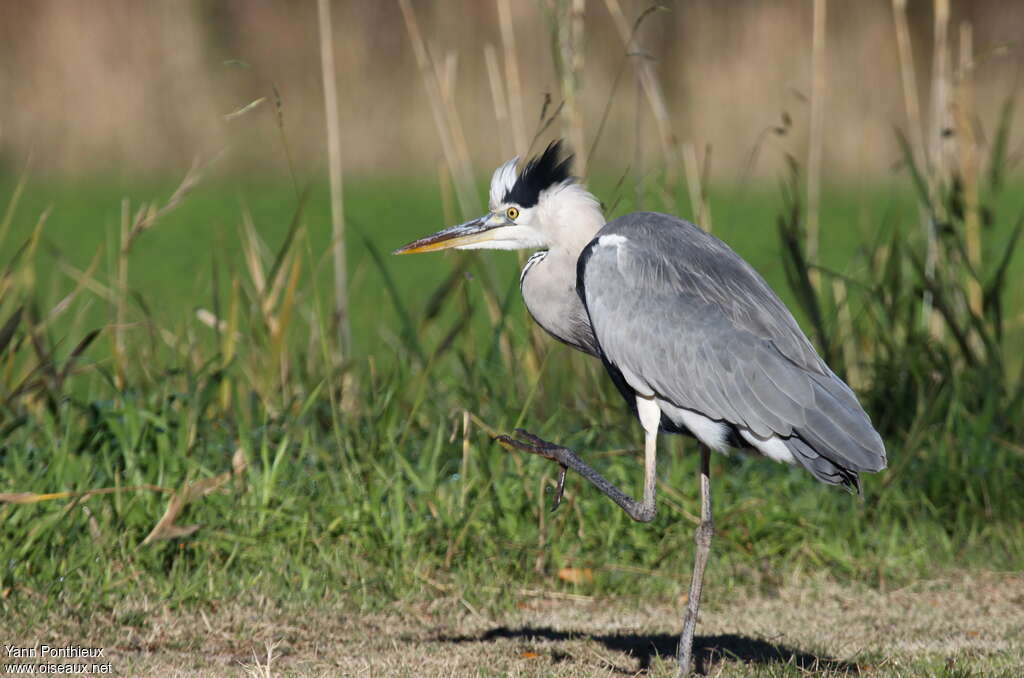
{"points": [[627, 392], [581, 266]]}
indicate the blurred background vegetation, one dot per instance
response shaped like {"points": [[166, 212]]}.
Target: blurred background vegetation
{"points": [[127, 88], [178, 415]]}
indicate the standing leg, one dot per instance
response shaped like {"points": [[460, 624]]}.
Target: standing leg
{"points": [[702, 538]]}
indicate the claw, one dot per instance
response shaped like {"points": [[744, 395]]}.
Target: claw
{"points": [[528, 442], [510, 443], [537, 446], [559, 489], [531, 444]]}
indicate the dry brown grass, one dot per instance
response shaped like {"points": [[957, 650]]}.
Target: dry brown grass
{"points": [[966, 620]]}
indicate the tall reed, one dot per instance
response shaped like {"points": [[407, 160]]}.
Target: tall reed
{"points": [[330, 80]]}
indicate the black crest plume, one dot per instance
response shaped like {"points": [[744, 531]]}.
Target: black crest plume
{"points": [[542, 172]]}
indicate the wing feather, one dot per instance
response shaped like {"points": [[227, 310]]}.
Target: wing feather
{"points": [[679, 312]]}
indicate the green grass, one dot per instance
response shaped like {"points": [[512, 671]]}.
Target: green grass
{"points": [[361, 482], [172, 266]]}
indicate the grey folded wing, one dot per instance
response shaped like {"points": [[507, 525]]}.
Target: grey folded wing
{"points": [[680, 314]]}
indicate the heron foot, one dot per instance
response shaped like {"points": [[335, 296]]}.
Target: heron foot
{"points": [[543, 448], [527, 442]]}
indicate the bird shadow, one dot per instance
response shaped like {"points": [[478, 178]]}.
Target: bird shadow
{"points": [[707, 650]]}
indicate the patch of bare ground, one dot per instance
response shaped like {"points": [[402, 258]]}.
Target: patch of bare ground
{"points": [[973, 622]]}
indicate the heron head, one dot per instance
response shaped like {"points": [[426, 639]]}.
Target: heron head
{"points": [[519, 209]]}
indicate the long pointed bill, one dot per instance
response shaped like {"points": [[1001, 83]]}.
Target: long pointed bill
{"points": [[477, 230]]}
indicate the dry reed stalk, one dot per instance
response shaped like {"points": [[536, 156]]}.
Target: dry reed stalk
{"points": [[26, 274], [494, 312], [447, 72], [130, 230], [464, 468], [439, 93], [461, 174], [444, 179], [817, 135], [446, 80], [705, 180], [501, 115], [64, 304], [244, 110], [967, 154], [919, 149], [570, 42], [122, 295], [341, 321], [12, 205], [85, 280], [252, 248], [638, 142], [275, 298], [531, 359], [651, 88], [515, 91], [695, 184], [147, 215], [940, 146], [854, 376], [285, 313], [692, 171], [229, 339], [908, 78]]}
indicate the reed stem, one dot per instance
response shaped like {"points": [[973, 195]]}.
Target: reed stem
{"points": [[967, 153], [341, 320], [817, 135], [515, 91]]}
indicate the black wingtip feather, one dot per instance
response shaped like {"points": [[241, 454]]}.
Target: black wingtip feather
{"points": [[541, 172], [821, 467]]}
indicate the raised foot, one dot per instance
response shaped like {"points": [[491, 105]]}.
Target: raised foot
{"points": [[527, 442]]}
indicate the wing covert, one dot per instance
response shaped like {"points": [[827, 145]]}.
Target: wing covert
{"points": [[683, 316]]}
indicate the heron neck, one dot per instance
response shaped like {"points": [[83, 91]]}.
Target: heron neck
{"points": [[548, 284], [573, 216]]}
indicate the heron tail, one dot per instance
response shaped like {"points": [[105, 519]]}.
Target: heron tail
{"points": [[825, 470], [838, 440]]}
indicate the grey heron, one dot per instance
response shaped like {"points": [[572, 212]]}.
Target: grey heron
{"points": [[694, 339]]}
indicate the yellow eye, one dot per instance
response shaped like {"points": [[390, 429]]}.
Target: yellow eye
{"points": [[512, 213]]}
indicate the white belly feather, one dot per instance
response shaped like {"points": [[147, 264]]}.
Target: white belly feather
{"points": [[715, 434]]}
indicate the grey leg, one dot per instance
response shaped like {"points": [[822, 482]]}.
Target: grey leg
{"points": [[649, 413], [702, 538], [641, 511]]}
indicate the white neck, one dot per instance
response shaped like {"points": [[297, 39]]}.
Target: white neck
{"points": [[570, 216]]}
